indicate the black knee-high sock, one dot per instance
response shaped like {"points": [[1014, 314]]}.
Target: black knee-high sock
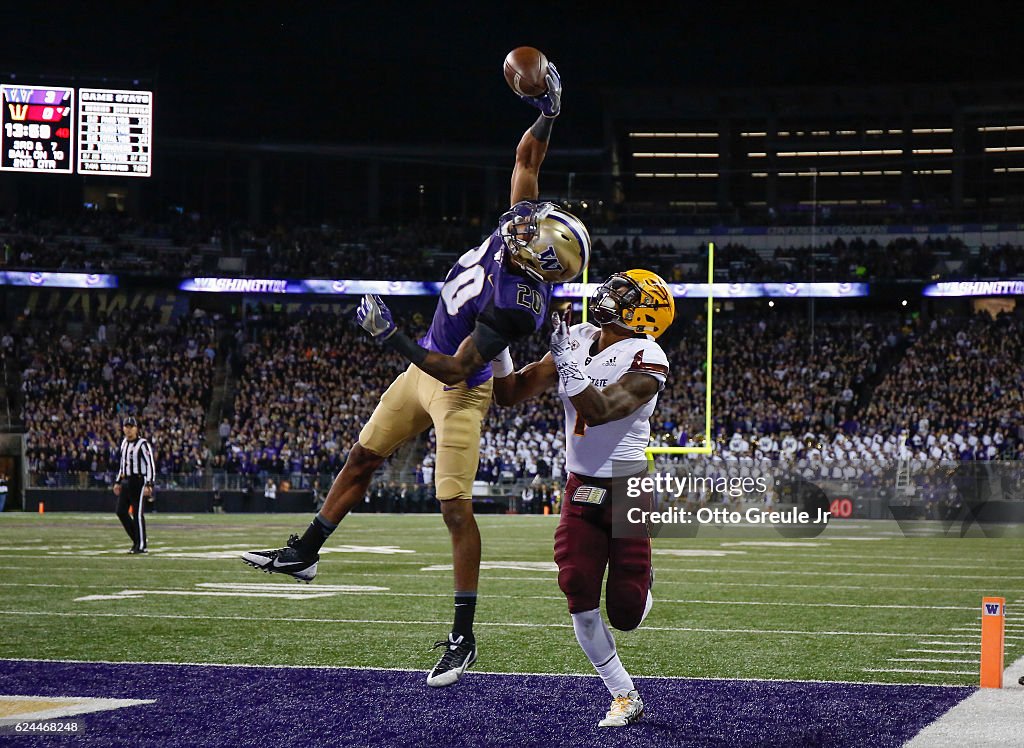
{"points": [[465, 610], [315, 536]]}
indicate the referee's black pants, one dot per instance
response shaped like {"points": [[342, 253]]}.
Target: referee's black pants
{"points": [[134, 522]]}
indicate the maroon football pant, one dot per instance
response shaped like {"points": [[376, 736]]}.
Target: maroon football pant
{"points": [[584, 547]]}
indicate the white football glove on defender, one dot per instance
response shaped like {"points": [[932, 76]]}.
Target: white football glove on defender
{"points": [[574, 381]]}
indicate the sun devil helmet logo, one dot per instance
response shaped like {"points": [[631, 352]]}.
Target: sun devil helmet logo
{"points": [[549, 260], [637, 299]]}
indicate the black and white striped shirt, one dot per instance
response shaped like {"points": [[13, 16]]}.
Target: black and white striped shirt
{"points": [[137, 459]]}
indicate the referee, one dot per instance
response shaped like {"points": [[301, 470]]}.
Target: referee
{"points": [[134, 483]]}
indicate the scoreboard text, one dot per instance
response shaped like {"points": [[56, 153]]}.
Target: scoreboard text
{"points": [[44, 129], [113, 131], [35, 128]]}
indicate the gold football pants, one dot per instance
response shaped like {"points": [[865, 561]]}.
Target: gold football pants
{"points": [[413, 402]]}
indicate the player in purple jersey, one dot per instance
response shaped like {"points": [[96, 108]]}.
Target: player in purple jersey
{"points": [[495, 293]]}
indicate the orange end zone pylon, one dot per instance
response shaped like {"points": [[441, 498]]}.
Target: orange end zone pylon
{"points": [[993, 620]]}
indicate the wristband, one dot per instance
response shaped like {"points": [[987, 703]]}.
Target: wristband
{"points": [[502, 366], [541, 129], [401, 343]]}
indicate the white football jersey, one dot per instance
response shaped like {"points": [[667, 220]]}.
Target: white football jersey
{"points": [[592, 450]]}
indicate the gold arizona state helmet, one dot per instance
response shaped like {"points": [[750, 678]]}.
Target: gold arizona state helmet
{"points": [[545, 241], [638, 300]]}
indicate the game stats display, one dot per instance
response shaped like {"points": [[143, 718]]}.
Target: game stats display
{"points": [[99, 131]]}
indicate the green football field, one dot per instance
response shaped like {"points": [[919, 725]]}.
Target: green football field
{"points": [[861, 602]]}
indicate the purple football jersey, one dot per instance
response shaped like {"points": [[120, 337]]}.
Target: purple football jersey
{"points": [[478, 285]]}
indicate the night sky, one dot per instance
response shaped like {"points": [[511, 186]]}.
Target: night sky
{"points": [[382, 72]]}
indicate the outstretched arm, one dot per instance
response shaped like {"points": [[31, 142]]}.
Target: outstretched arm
{"points": [[533, 146], [474, 352], [528, 382]]}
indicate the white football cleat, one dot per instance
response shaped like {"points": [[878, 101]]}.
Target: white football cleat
{"points": [[458, 656], [284, 561], [625, 710]]}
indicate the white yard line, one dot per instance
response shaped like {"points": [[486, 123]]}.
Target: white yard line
{"points": [[813, 604], [975, 636], [899, 575], [320, 590], [230, 570], [929, 659], [123, 556], [684, 629], [988, 717], [1009, 627], [915, 671], [587, 674], [941, 643]]}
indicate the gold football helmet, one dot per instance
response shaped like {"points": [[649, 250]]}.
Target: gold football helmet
{"points": [[638, 300], [544, 241]]}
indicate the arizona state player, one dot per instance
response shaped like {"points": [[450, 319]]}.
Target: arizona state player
{"points": [[495, 293], [608, 378]]}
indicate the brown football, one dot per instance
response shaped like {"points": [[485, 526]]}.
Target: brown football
{"points": [[525, 71]]}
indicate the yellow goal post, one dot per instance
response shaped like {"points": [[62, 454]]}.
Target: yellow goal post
{"points": [[708, 441]]}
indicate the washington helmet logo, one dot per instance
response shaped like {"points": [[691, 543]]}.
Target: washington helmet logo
{"points": [[549, 260]]}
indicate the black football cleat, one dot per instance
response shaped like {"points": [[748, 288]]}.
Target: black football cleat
{"points": [[284, 561], [458, 656]]}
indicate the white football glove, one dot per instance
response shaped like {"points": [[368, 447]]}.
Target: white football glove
{"points": [[574, 381]]}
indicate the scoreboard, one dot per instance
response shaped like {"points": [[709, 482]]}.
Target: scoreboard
{"points": [[35, 129], [62, 130], [113, 131]]}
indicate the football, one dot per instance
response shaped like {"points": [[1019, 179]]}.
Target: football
{"points": [[525, 71]]}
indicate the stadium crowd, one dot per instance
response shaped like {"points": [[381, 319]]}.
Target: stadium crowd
{"points": [[959, 392], [104, 242], [79, 380], [863, 387], [306, 386]]}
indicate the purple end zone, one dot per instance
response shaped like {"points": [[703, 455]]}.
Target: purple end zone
{"points": [[237, 706]]}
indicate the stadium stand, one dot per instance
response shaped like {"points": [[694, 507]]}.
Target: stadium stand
{"points": [[99, 242], [296, 386], [77, 381], [306, 386], [959, 391], [284, 420]]}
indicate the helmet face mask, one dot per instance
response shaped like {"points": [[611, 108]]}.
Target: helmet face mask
{"points": [[614, 298], [544, 241], [638, 301]]}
